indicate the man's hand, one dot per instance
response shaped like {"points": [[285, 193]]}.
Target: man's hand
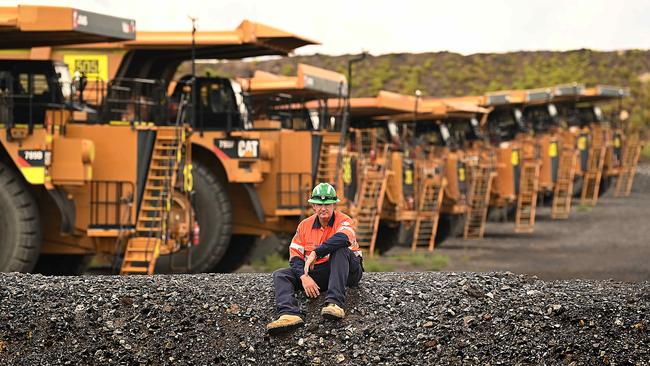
{"points": [[309, 262], [310, 286]]}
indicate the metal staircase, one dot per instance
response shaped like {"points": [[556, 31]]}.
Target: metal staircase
{"points": [[478, 201], [365, 142], [594, 172], [367, 211], [326, 161], [563, 190], [428, 212], [143, 249], [527, 198], [629, 162]]}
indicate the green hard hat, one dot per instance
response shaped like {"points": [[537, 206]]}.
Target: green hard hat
{"points": [[324, 194]]}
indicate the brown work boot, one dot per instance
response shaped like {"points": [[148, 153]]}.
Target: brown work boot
{"points": [[333, 312], [284, 323]]}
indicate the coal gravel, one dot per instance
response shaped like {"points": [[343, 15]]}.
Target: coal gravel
{"points": [[392, 319]]}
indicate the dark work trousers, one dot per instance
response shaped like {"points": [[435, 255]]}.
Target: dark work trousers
{"points": [[343, 268]]}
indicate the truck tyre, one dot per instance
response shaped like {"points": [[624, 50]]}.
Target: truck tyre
{"points": [[237, 254], [387, 237], [605, 183], [577, 186], [449, 226], [62, 264], [20, 224], [214, 215]]}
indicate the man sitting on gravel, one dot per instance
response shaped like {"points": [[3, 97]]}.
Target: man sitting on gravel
{"points": [[323, 255]]}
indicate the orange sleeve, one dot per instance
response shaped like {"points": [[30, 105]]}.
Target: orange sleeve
{"points": [[347, 227], [297, 246]]}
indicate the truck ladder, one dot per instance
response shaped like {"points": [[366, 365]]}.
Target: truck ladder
{"points": [[527, 200], [478, 201], [365, 142], [426, 223], [563, 190], [143, 249], [326, 162], [629, 164], [592, 176], [368, 209]]}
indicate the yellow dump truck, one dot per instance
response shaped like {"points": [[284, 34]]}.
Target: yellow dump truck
{"points": [[73, 184], [246, 133]]}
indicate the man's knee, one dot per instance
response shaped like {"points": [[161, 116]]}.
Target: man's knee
{"points": [[341, 252], [282, 273]]}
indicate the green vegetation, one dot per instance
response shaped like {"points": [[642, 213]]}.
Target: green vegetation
{"points": [[583, 208], [395, 260], [400, 260], [424, 261], [270, 263], [377, 265], [445, 73]]}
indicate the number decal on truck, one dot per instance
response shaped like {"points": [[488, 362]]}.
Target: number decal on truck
{"points": [[33, 157]]}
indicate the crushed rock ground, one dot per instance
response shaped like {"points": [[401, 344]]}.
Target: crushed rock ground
{"points": [[392, 319]]}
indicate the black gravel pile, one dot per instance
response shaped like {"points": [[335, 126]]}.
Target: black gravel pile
{"points": [[393, 319]]}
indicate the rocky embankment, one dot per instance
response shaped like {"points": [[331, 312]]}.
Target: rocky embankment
{"points": [[393, 319]]}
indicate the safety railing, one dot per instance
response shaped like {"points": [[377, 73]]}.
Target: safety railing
{"points": [[111, 204], [293, 188], [135, 100]]}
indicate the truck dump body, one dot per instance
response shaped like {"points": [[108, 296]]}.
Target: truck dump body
{"points": [[37, 26], [99, 188]]}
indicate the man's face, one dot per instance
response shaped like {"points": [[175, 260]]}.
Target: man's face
{"points": [[324, 212]]}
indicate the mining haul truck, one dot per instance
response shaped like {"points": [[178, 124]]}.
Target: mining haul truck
{"points": [[247, 181], [72, 182]]}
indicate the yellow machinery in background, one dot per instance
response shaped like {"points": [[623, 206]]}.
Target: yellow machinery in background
{"points": [[73, 182]]}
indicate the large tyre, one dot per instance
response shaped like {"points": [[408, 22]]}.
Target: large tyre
{"points": [[577, 186], [214, 215], [63, 264], [387, 237], [605, 183], [237, 254], [449, 226], [20, 224]]}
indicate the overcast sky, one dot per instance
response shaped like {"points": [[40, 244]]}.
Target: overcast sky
{"points": [[378, 26]]}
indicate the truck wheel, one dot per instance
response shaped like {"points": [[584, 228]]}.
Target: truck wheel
{"points": [[577, 186], [62, 264], [605, 183], [236, 255], [20, 224], [387, 237], [214, 216], [449, 226]]}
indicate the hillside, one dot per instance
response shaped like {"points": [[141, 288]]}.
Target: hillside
{"points": [[452, 74]]}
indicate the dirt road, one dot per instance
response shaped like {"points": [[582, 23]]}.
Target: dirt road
{"points": [[609, 241]]}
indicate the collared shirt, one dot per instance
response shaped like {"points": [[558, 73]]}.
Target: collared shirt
{"points": [[312, 236]]}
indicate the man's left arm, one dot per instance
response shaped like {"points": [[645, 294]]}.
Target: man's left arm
{"points": [[343, 237]]}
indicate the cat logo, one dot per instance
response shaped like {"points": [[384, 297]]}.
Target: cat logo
{"points": [[237, 148], [248, 148]]}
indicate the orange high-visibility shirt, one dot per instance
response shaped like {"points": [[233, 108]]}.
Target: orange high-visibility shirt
{"points": [[311, 234]]}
